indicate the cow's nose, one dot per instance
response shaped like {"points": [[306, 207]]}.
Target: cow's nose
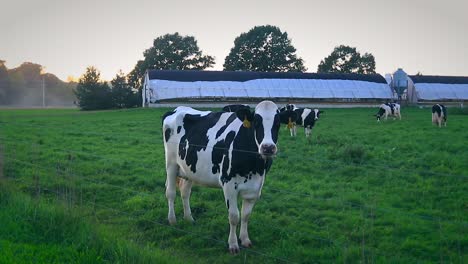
{"points": [[268, 149]]}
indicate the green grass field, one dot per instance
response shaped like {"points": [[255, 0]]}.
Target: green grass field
{"points": [[90, 185]]}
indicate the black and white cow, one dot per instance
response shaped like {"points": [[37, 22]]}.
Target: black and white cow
{"points": [[439, 115], [306, 117], [228, 150], [388, 109]]}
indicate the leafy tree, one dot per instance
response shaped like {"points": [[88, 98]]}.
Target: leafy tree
{"points": [[345, 59], [263, 48], [23, 86], [170, 52], [91, 92], [122, 94], [4, 84]]}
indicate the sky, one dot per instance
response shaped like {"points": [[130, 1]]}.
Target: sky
{"points": [[65, 36]]}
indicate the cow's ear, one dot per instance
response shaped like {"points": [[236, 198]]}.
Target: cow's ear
{"points": [[245, 116]]}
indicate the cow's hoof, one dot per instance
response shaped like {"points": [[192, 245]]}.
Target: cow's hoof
{"points": [[172, 221], [246, 243], [189, 219], [234, 249]]}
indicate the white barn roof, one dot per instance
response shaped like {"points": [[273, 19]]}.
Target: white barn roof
{"points": [[161, 85], [440, 87]]}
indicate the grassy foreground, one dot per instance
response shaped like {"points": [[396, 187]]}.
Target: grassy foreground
{"points": [[357, 192]]}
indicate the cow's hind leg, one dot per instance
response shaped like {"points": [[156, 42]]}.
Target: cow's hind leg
{"points": [[247, 206], [185, 187], [172, 171], [230, 195]]}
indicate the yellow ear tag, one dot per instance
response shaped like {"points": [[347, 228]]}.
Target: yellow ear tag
{"points": [[246, 123], [290, 124]]}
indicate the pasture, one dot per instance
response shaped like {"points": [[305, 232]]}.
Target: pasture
{"points": [[358, 191]]}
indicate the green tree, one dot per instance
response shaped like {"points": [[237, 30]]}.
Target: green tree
{"points": [[91, 92], [170, 52], [345, 59], [265, 49], [5, 91], [122, 94]]}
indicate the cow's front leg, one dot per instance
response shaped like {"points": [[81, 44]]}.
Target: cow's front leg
{"points": [[230, 196], [247, 206], [185, 187]]}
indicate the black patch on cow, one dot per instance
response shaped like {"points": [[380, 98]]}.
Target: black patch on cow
{"points": [[196, 128], [166, 115], [258, 125], [167, 134], [285, 115], [178, 129], [309, 120], [245, 160], [220, 150], [227, 203], [228, 122], [299, 112], [275, 128], [392, 107], [444, 110]]}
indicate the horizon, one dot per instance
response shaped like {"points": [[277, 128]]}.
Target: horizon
{"points": [[421, 36]]}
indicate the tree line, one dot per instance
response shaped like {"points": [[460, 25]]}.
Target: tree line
{"points": [[28, 85], [263, 48]]}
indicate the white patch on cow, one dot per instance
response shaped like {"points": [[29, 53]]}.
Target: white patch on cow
{"points": [[267, 110], [316, 111], [306, 112]]}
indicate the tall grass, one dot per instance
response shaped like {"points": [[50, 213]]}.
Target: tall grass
{"points": [[39, 231]]}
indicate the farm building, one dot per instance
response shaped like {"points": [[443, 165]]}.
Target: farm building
{"points": [[162, 86], [424, 88]]}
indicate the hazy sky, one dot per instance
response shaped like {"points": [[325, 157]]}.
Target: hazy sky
{"points": [[67, 36]]}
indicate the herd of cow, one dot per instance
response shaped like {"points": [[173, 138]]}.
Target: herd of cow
{"points": [[233, 150]]}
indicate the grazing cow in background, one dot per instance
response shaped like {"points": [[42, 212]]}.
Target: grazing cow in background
{"points": [[228, 150], [306, 117], [235, 107], [392, 109], [439, 115]]}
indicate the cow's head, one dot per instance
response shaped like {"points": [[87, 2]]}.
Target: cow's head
{"points": [[265, 122], [380, 113], [317, 114]]}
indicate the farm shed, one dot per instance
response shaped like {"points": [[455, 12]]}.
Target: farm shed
{"points": [[437, 88], [224, 86]]}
